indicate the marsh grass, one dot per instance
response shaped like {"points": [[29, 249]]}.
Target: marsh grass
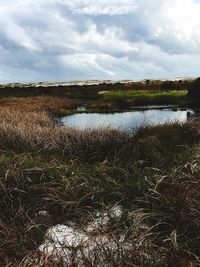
{"points": [[51, 175], [161, 222], [37, 132], [53, 105], [174, 207]]}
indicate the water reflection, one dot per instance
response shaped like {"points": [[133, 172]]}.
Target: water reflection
{"points": [[126, 121]]}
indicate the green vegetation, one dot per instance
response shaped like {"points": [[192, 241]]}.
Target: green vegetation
{"points": [[52, 175], [141, 97]]}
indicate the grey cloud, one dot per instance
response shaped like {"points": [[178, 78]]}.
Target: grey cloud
{"points": [[97, 39]]}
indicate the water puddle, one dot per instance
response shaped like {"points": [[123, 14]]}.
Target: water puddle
{"points": [[127, 121]]}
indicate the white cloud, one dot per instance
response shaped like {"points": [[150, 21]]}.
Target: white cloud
{"points": [[88, 62], [176, 25], [100, 7], [106, 10], [89, 39]]}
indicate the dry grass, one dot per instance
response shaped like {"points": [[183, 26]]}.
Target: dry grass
{"points": [[31, 128], [70, 174], [162, 230], [53, 105], [174, 208], [36, 131]]}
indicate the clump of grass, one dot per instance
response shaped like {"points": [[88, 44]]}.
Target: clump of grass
{"points": [[174, 208], [170, 134]]}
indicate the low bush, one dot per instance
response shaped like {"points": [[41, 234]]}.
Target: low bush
{"points": [[194, 91]]}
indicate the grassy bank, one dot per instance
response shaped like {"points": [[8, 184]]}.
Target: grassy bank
{"points": [[123, 99], [52, 175]]}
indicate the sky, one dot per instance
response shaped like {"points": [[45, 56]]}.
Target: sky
{"points": [[62, 40]]}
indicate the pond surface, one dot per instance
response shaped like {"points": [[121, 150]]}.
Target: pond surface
{"points": [[127, 121]]}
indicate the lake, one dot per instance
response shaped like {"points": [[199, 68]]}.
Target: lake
{"points": [[127, 121]]}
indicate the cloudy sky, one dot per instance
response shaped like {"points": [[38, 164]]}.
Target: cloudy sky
{"points": [[61, 40]]}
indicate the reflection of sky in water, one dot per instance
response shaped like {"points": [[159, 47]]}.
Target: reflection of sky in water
{"points": [[125, 120]]}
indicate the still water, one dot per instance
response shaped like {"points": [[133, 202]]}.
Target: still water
{"points": [[127, 121]]}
